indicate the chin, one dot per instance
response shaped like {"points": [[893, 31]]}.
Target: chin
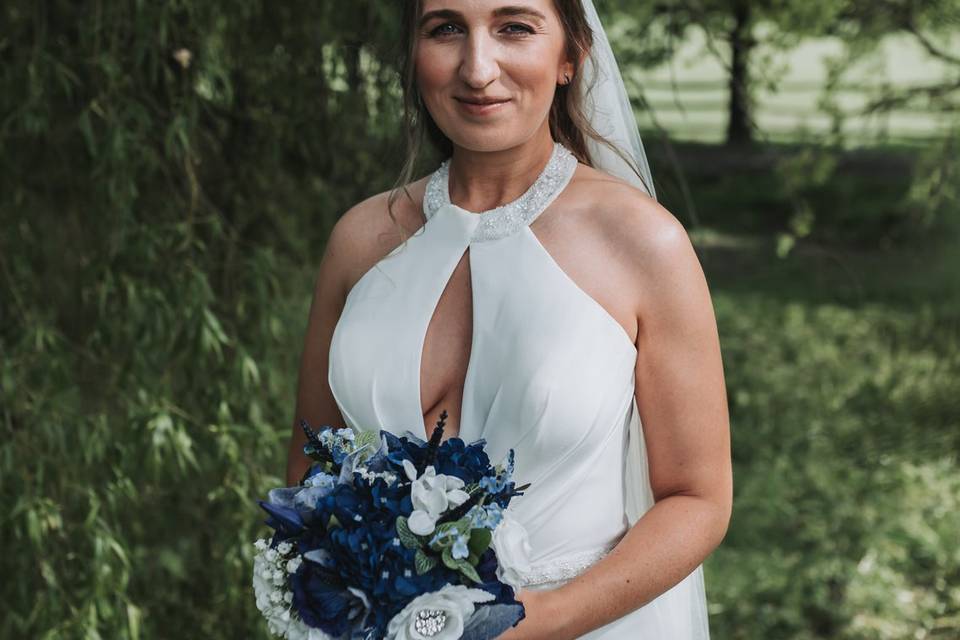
{"points": [[485, 140]]}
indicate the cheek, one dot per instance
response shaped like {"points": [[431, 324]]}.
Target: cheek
{"points": [[532, 66], [531, 77], [433, 71]]}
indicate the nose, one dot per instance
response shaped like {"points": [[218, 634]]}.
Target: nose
{"points": [[479, 66]]}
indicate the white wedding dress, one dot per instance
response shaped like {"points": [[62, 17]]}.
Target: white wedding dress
{"points": [[550, 374]]}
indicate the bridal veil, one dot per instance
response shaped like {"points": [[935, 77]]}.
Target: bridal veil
{"points": [[683, 608]]}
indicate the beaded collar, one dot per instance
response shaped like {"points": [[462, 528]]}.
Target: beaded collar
{"points": [[508, 218]]}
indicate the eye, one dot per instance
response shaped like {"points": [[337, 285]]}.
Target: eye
{"points": [[525, 28], [439, 32], [436, 31]]}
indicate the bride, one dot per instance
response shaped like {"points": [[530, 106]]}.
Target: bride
{"points": [[533, 288]]}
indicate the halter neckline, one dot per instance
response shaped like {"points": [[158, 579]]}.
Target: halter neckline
{"points": [[507, 218]]}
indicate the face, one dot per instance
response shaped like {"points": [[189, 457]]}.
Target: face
{"points": [[509, 51]]}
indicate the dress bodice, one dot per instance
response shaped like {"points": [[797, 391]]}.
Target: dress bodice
{"points": [[550, 372]]}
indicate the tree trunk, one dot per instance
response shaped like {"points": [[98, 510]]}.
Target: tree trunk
{"points": [[740, 123]]}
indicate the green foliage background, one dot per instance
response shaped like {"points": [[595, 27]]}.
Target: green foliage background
{"points": [[162, 222]]}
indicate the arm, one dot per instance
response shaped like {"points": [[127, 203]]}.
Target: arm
{"points": [[315, 402], [681, 397]]}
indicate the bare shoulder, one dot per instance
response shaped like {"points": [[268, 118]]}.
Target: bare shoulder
{"points": [[365, 233], [636, 226], [630, 217], [651, 245]]}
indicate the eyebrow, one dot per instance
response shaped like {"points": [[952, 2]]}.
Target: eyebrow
{"points": [[513, 10]]}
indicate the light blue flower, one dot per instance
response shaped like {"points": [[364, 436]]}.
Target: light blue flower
{"points": [[477, 516], [495, 484], [485, 517], [321, 479], [494, 514], [460, 549], [440, 537]]}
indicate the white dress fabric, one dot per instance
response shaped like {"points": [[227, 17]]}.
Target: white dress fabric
{"points": [[550, 375]]}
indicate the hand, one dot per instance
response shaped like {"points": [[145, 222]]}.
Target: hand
{"points": [[543, 620]]}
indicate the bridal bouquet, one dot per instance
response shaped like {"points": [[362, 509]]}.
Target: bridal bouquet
{"points": [[392, 537]]}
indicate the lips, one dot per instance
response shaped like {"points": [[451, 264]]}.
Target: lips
{"points": [[486, 107], [482, 101]]}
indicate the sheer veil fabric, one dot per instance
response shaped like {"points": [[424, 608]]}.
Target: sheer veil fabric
{"points": [[680, 613], [607, 106]]}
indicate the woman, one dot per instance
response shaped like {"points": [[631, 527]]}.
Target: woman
{"points": [[548, 304]]}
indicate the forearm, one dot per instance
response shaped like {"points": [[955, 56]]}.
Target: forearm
{"points": [[659, 550]]}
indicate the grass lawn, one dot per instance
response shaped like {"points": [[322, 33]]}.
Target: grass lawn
{"points": [[843, 375]]}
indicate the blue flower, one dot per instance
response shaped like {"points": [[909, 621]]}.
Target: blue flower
{"points": [[285, 520], [460, 549], [469, 462], [330, 607], [343, 524], [494, 484], [441, 536], [485, 517]]}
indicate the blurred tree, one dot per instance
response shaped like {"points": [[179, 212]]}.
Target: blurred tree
{"points": [[934, 25], [734, 29], [169, 173]]}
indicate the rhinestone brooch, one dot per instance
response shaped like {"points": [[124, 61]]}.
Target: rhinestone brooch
{"points": [[430, 622]]}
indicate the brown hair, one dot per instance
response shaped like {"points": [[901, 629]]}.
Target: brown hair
{"points": [[568, 122]]}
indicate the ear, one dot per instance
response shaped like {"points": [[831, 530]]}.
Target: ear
{"points": [[566, 67], [564, 71]]}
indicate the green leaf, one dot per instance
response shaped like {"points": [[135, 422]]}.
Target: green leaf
{"points": [[462, 525], [333, 521], [408, 538], [467, 569], [449, 560], [479, 540], [443, 532], [424, 562]]}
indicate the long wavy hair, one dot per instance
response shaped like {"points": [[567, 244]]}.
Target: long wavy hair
{"points": [[568, 122]]}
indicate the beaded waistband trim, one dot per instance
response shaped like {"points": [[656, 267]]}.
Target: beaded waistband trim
{"points": [[564, 568]]}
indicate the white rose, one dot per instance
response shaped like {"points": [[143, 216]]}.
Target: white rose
{"points": [[455, 604], [431, 494], [512, 546]]}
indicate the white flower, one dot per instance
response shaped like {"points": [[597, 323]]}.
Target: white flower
{"points": [[284, 548], [432, 494], [512, 547], [274, 599], [293, 564], [446, 611]]}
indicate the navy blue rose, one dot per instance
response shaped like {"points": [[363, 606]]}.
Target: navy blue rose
{"points": [[469, 462], [322, 603]]}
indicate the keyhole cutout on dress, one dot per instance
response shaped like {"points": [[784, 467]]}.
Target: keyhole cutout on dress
{"points": [[446, 352]]}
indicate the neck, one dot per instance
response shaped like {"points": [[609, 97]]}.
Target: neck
{"points": [[483, 180]]}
